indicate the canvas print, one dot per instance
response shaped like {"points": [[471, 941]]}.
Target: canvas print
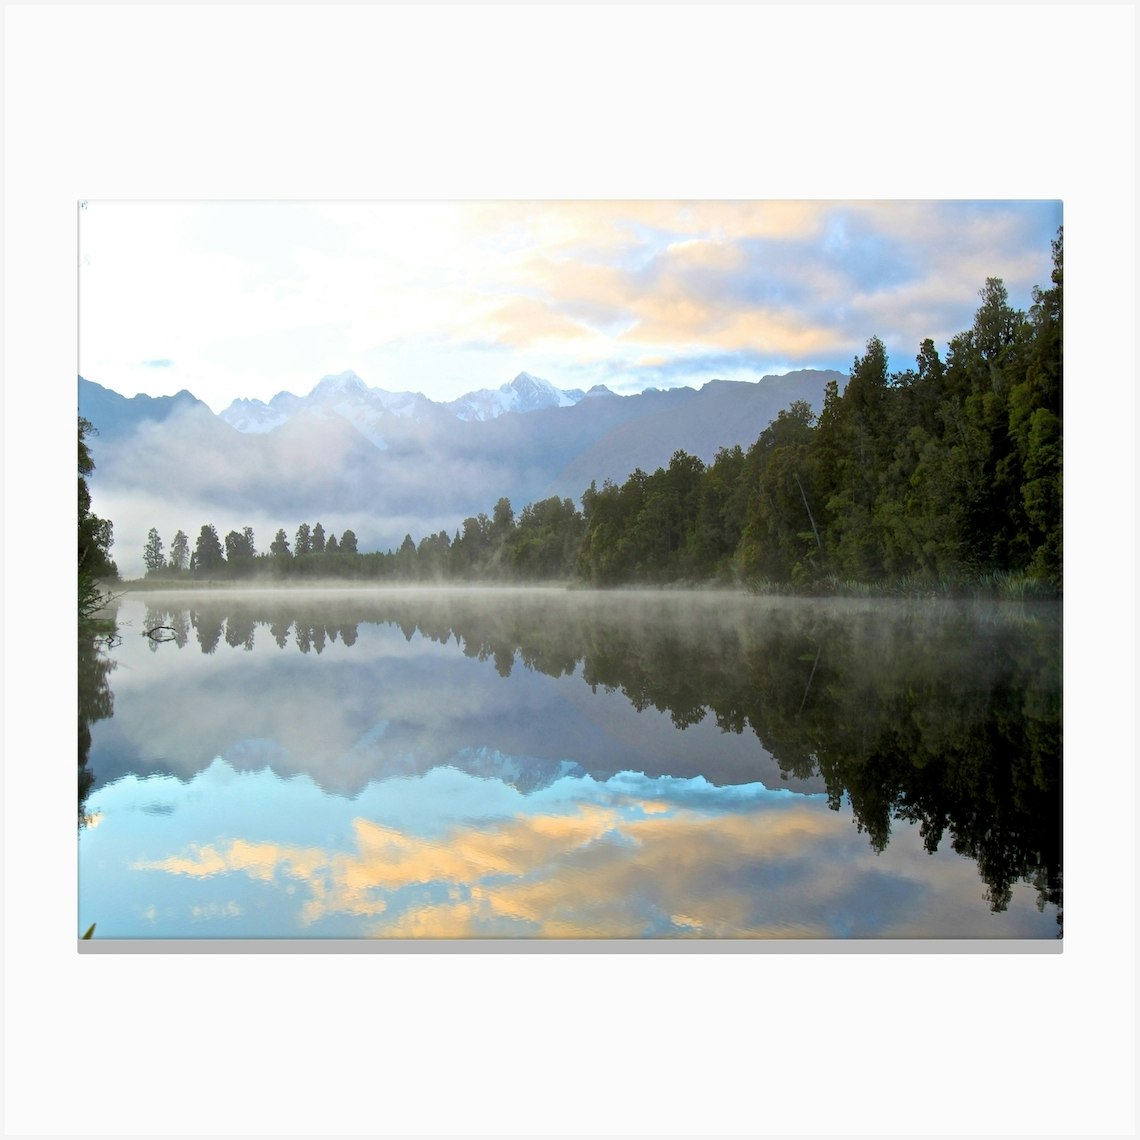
{"points": [[651, 571]]}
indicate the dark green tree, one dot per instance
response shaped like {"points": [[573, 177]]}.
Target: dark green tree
{"points": [[96, 536], [240, 552], [546, 540], [153, 558], [1035, 424], [279, 547], [719, 520], [609, 553], [470, 552], [207, 557], [781, 540], [861, 441]]}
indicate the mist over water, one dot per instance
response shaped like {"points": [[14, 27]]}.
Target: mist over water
{"points": [[563, 763]]}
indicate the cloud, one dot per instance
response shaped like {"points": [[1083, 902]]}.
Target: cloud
{"points": [[526, 322], [248, 300], [794, 283]]}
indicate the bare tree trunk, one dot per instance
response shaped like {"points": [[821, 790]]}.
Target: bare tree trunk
{"points": [[808, 509]]}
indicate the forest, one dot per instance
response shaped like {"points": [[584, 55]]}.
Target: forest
{"points": [[943, 477]]}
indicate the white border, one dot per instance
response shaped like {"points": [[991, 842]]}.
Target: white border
{"points": [[563, 101]]}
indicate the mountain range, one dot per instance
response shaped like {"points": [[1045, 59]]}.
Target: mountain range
{"points": [[389, 463], [347, 395]]}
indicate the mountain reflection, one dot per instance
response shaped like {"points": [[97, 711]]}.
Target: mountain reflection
{"points": [[942, 715]]}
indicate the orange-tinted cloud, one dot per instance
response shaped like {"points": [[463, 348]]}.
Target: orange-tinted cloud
{"points": [[525, 322]]}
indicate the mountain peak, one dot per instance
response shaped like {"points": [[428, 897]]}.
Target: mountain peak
{"points": [[341, 383], [531, 388], [525, 393]]}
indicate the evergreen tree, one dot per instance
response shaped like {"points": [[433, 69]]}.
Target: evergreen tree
{"points": [[95, 536], [719, 520], [303, 543], [546, 540], [781, 538], [179, 552], [405, 558], [207, 557], [240, 551], [152, 553], [348, 542], [318, 539], [499, 533], [279, 547], [1035, 424], [861, 442]]}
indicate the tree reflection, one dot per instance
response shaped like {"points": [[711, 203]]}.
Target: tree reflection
{"points": [[96, 702], [239, 631], [208, 628], [947, 716], [161, 625]]}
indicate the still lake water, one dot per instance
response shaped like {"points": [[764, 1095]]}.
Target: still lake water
{"points": [[569, 764]]}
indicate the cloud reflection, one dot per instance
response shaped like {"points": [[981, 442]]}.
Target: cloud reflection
{"points": [[598, 860]]}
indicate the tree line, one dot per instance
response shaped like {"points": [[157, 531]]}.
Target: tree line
{"points": [[542, 543], [237, 556], [946, 474]]}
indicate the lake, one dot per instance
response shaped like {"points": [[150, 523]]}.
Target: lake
{"points": [[564, 764]]}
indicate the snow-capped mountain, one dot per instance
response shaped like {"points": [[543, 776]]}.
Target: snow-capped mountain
{"points": [[525, 393], [346, 395], [253, 416], [343, 394]]}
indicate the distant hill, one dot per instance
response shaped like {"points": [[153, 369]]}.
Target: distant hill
{"points": [[721, 414], [115, 416]]}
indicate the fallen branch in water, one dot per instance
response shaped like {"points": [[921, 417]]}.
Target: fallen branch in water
{"points": [[153, 634]]}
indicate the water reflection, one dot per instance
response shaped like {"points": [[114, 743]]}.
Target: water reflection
{"points": [[96, 702], [936, 727], [448, 855]]}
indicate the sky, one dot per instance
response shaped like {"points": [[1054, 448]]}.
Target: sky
{"points": [[244, 299]]}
